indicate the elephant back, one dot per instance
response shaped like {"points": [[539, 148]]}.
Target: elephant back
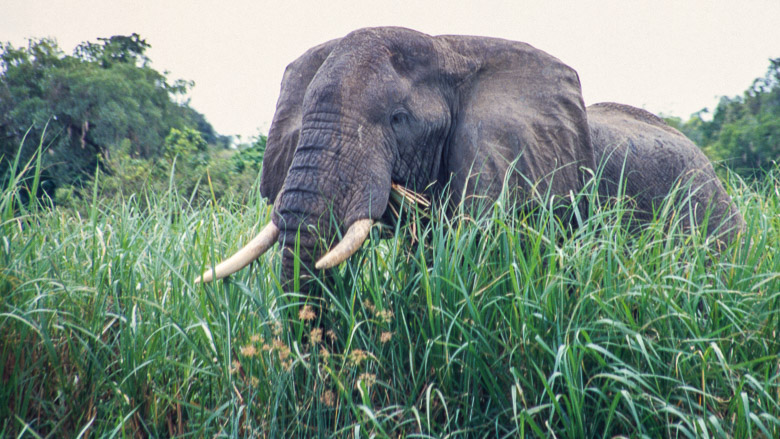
{"points": [[642, 157]]}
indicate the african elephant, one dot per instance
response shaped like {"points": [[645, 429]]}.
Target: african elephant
{"points": [[651, 158], [433, 113]]}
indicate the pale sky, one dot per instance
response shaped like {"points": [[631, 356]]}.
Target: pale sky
{"points": [[675, 57]]}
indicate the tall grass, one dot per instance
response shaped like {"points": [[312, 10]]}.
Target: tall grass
{"points": [[507, 326]]}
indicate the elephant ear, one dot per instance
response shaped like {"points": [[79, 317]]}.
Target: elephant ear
{"points": [[286, 125], [521, 118]]}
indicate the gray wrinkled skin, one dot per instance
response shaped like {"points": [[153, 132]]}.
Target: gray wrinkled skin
{"points": [[386, 105], [653, 158]]}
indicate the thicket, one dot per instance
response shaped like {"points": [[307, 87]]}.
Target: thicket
{"points": [[104, 109], [744, 131]]}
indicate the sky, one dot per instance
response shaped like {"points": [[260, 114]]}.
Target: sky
{"points": [[670, 57]]}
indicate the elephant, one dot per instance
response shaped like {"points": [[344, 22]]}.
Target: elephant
{"points": [[456, 116], [644, 158]]}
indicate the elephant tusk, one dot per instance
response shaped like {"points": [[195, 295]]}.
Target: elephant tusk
{"points": [[256, 247], [353, 239]]}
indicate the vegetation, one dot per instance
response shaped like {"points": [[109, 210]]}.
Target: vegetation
{"points": [[104, 99], [744, 132], [509, 326], [202, 174], [504, 327]]}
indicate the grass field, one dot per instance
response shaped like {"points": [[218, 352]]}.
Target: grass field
{"points": [[506, 327]]}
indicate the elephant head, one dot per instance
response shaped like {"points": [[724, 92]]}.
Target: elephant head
{"points": [[645, 158], [391, 105]]}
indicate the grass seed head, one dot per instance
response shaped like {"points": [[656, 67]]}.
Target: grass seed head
{"points": [[386, 337], [307, 313], [328, 398], [367, 378], [357, 356], [282, 349], [386, 315], [316, 336], [249, 350]]}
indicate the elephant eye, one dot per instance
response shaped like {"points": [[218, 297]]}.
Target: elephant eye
{"points": [[399, 118]]}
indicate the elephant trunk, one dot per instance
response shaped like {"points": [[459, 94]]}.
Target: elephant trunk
{"points": [[304, 219], [326, 197], [300, 250]]}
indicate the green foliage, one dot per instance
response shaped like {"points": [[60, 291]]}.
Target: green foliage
{"points": [[103, 97], [199, 122], [252, 156], [199, 176], [504, 327], [117, 49], [744, 131], [186, 142], [104, 108]]}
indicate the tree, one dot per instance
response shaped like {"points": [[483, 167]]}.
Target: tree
{"points": [[744, 131], [186, 142], [117, 49], [104, 95]]}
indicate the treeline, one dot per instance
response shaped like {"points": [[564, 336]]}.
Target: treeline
{"points": [[104, 109], [744, 131]]}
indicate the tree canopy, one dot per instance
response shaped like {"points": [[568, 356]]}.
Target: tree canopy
{"points": [[103, 97], [744, 132]]}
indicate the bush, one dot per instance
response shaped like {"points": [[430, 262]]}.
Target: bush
{"points": [[251, 156], [194, 171]]}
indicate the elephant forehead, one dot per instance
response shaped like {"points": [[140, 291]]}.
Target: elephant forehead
{"points": [[368, 89], [397, 45], [375, 62]]}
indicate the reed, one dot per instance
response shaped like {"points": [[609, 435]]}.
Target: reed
{"points": [[509, 325]]}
